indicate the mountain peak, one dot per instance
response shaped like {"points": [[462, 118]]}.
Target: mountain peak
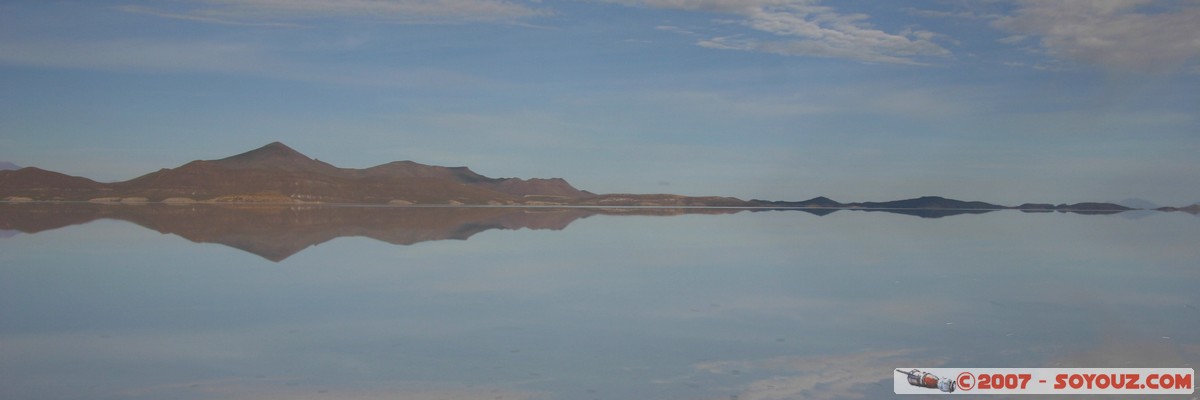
{"points": [[277, 145], [7, 166], [270, 149], [274, 155]]}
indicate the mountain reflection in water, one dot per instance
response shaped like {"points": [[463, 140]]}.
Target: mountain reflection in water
{"points": [[276, 232], [753, 304]]}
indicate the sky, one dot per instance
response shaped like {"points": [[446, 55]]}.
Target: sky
{"points": [[1000, 101]]}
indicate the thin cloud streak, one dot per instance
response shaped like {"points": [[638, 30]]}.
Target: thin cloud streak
{"points": [[803, 28], [199, 18], [139, 54], [270, 12], [164, 55]]}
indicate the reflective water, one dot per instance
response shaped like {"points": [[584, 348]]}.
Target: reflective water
{"points": [[203, 302]]}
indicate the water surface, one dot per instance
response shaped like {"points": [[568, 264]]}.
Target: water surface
{"points": [[476, 303]]}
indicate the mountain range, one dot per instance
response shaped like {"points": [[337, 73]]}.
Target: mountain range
{"points": [[276, 173], [7, 166]]}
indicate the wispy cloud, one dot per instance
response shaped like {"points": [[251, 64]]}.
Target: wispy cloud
{"points": [[674, 29], [199, 18], [142, 54], [194, 56], [1014, 39], [288, 12], [945, 14], [804, 28], [1118, 34], [728, 104]]}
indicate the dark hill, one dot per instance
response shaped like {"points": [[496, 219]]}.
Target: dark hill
{"points": [[1092, 208], [929, 202], [815, 202], [1192, 209], [1079, 208]]}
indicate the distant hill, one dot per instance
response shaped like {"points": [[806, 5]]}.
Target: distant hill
{"points": [[1092, 208], [1079, 208], [816, 202], [927, 202], [1138, 204], [934, 202], [7, 166], [276, 173], [1192, 209]]}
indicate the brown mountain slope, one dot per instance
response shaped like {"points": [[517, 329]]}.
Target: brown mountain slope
{"points": [[40, 184], [276, 156], [464, 175], [277, 173]]}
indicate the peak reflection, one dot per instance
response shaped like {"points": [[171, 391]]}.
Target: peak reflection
{"points": [[278, 232]]}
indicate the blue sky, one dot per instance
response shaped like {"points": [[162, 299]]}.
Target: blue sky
{"points": [[1002, 101]]}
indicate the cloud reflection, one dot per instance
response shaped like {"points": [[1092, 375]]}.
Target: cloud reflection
{"points": [[820, 377], [265, 390]]}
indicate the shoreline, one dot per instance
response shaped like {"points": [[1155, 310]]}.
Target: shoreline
{"points": [[139, 202]]}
